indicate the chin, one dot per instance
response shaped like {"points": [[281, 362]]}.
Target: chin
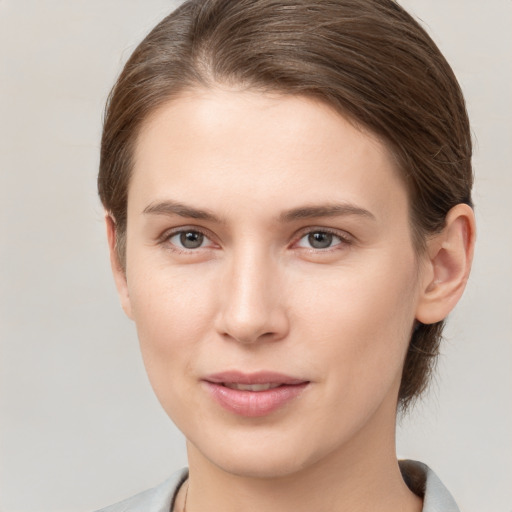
{"points": [[263, 456], [261, 465]]}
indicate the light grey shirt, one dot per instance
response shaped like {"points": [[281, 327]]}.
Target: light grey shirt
{"points": [[419, 477]]}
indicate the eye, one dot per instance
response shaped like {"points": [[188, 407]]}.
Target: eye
{"points": [[189, 239], [320, 240]]}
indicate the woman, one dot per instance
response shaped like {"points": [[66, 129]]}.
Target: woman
{"points": [[287, 188]]}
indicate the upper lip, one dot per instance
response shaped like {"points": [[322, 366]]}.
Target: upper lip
{"points": [[261, 377]]}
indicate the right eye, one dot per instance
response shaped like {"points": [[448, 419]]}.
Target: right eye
{"points": [[189, 239]]}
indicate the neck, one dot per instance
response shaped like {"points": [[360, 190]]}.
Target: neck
{"points": [[363, 476]]}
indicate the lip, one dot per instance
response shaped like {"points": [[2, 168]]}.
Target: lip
{"points": [[253, 403]]}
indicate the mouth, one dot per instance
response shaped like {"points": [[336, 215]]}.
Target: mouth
{"points": [[255, 394], [250, 387]]}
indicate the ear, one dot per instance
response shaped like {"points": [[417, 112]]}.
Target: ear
{"points": [[117, 269], [447, 266]]}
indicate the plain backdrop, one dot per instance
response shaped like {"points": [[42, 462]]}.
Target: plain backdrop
{"points": [[79, 425]]}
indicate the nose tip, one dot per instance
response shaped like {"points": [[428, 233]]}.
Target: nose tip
{"points": [[252, 308], [247, 320], [248, 332], [257, 325]]}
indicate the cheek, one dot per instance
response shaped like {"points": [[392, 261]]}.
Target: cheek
{"points": [[359, 327], [172, 311], [168, 302]]}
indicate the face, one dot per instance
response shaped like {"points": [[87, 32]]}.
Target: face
{"points": [[272, 278]]}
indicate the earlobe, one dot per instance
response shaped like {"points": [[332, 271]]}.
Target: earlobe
{"points": [[449, 258], [118, 271]]}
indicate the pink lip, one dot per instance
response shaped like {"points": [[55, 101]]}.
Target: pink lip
{"points": [[253, 403]]}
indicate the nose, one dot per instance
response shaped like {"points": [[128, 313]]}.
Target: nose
{"points": [[252, 301]]}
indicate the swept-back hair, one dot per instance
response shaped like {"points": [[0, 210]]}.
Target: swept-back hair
{"points": [[368, 59]]}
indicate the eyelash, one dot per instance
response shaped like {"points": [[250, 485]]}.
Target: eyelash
{"points": [[168, 235], [344, 239]]}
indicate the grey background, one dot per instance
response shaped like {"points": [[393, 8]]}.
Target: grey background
{"points": [[79, 425]]}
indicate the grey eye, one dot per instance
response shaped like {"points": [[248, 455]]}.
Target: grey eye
{"points": [[320, 239], [188, 239], [191, 239]]}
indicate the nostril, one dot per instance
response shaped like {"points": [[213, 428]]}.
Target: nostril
{"points": [[267, 329]]}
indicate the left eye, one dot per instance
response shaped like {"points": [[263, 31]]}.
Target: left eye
{"points": [[319, 240], [189, 239]]}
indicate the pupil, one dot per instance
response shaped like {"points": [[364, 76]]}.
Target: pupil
{"points": [[191, 239], [320, 240]]}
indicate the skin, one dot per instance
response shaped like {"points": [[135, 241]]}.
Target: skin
{"points": [[255, 295]]}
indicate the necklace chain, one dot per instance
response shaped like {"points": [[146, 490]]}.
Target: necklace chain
{"points": [[185, 500]]}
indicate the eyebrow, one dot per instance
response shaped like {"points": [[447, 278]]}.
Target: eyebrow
{"points": [[329, 210], [175, 208], [170, 207]]}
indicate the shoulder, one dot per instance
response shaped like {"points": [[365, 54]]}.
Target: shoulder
{"points": [[157, 499], [424, 482]]}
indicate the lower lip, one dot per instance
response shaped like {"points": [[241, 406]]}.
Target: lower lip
{"points": [[254, 403]]}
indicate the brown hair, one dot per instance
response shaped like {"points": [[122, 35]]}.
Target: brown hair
{"points": [[368, 59]]}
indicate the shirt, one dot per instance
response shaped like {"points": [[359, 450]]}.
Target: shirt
{"points": [[419, 477]]}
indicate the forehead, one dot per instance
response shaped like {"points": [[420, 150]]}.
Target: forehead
{"points": [[222, 145]]}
